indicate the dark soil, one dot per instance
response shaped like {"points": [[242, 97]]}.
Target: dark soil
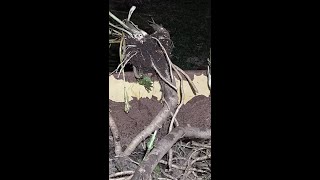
{"points": [[196, 113]]}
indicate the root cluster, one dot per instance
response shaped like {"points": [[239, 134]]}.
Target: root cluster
{"points": [[151, 54]]}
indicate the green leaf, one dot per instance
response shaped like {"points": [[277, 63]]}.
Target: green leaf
{"points": [[157, 170], [146, 82]]}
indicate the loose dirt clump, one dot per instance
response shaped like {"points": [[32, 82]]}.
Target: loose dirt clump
{"points": [[140, 115]]}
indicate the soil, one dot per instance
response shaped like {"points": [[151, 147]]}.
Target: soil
{"points": [[196, 113]]}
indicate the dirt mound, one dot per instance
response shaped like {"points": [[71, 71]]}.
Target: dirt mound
{"points": [[196, 113]]}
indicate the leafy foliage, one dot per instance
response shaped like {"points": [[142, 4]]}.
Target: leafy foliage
{"points": [[146, 82]]}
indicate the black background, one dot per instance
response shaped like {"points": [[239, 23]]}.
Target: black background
{"points": [[56, 89]]}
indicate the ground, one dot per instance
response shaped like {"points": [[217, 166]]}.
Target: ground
{"points": [[195, 113]]}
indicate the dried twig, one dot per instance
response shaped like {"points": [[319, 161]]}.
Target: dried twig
{"points": [[122, 64], [201, 159], [163, 146], [168, 175], [181, 167], [119, 21], [123, 173], [186, 174], [200, 145], [122, 178], [115, 134], [121, 29]]}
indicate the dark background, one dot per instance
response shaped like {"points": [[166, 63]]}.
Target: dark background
{"points": [[188, 22], [55, 90]]}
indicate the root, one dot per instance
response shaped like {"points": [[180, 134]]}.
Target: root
{"points": [[162, 78], [156, 122], [171, 98], [116, 137], [122, 65], [174, 117], [162, 147], [167, 57], [163, 68], [193, 87]]}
